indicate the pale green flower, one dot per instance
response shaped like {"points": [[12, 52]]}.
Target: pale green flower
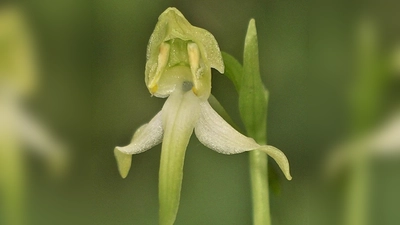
{"points": [[18, 128], [18, 78], [179, 61]]}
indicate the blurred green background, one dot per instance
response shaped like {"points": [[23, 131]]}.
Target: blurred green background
{"points": [[92, 94]]}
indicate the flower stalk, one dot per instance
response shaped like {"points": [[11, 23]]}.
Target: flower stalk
{"points": [[253, 108]]}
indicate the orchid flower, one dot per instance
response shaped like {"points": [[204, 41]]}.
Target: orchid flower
{"points": [[18, 79], [18, 128], [179, 61]]}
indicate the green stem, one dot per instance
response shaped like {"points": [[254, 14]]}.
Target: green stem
{"points": [[367, 98], [253, 101], [357, 194], [259, 188], [11, 183]]}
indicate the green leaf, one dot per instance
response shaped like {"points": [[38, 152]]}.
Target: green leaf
{"points": [[253, 110], [252, 98], [233, 70]]}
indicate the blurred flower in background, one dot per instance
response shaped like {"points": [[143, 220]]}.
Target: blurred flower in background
{"points": [[374, 125], [18, 130]]}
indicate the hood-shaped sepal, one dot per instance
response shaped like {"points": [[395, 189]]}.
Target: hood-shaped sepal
{"points": [[175, 42]]}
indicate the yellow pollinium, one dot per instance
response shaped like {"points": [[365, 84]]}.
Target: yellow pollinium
{"points": [[153, 89]]}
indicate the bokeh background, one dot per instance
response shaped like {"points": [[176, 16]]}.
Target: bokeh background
{"points": [[326, 88]]}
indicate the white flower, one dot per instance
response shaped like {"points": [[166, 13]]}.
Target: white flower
{"points": [[18, 77], [180, 57], [18, 128]]}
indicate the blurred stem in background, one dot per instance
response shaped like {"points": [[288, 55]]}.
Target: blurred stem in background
{"points": [[17, 79], [366, 102], [12, 182]]}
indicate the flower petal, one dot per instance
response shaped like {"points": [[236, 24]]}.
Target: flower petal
{"points": [[32, 133], [385, 141], [279, 157], [215, 133], [124, 162], [146, 137], [180, 114]]}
